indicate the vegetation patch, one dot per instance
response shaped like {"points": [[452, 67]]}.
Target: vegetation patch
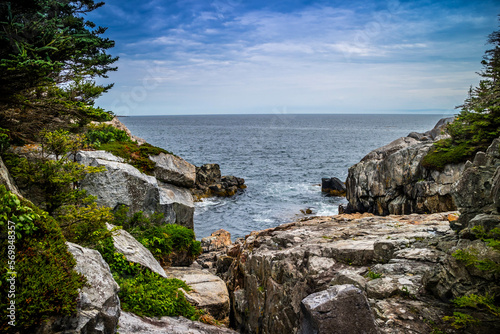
{"points": [[135, 154], [99, 134], [46, 284], [446, 152], [170, 244], [146, 293]]}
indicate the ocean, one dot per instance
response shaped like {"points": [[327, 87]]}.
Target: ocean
{"points": [[282, 158]]}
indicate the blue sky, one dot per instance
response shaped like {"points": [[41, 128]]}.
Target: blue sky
{"points": [[233, 56]]}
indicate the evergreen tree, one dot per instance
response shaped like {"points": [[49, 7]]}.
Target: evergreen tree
{"points": [[49, 58]]}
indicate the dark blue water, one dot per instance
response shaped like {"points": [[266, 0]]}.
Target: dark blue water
{"points": [[281, 157]]}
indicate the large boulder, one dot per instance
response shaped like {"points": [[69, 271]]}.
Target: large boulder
{"points": [[123, 184], [209, 292], [7, 180], [133, 324], [341, 309], [270, 272], [392, 180], [477, 191], [98, 308], [134, 251], [174, 170]]}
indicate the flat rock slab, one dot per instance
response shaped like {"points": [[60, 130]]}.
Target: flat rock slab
{"points": [[133, 324], [134, 251], [208, 291]]}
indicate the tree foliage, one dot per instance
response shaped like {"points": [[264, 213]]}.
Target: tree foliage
{"points": [[49, 58], [478, 122]]}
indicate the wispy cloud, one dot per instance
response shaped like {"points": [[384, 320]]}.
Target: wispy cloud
{"points": [[236, 56]]}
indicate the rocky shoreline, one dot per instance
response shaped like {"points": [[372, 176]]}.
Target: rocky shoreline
{"points": [[385, 266]]}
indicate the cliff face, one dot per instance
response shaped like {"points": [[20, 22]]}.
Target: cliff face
{"points": [[477, 193], [392, 180], [273, 274]]}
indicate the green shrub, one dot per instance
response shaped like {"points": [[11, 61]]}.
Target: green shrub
{"points": [[85, 223], [136, 155], [105, 133], [46, 284], [446, 152], [146, 293], [169, 243], [4, 140]]}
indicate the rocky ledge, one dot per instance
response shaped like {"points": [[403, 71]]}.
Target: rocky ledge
{"points": [[392, 180], [394, 261]]}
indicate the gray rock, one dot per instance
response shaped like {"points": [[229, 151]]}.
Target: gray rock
{"points": [[7, 180], [133, 324], [174, 170], [209, 292], [98, 309], [381, 288], [270, 272], [341, 309], [123, 184], [392, 180], [333, 186], [134, 251], [477, 191]]}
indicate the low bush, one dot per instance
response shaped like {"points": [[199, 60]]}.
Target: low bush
{"points": [[46, 284], [97, 135], [170, 244], [146, 293], [446, 152]]}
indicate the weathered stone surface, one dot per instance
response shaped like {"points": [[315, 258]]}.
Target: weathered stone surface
{"points": [[333, 186], [477, 191], [133, 324], [272, 271], [391, 179], [209, 292], [134, 251], [341, 309], [218, 240], [209, 182], [174, 170], [123, 184], [7, 180], [98, 309]]}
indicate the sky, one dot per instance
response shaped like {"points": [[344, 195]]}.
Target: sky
{"points": [[243, 57]]}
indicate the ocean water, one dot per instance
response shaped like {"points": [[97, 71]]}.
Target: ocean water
{"points": [[282, 158]]}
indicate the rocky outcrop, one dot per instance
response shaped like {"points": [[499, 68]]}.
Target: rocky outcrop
{"points": [[341, 309], [7, 180], [392, 180], [98, 308], [208, 292], [123, 184], [134, 251], [477, 193], [133, 324], [333, 186], [209, 182], [270, 272], [174, 170]]}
